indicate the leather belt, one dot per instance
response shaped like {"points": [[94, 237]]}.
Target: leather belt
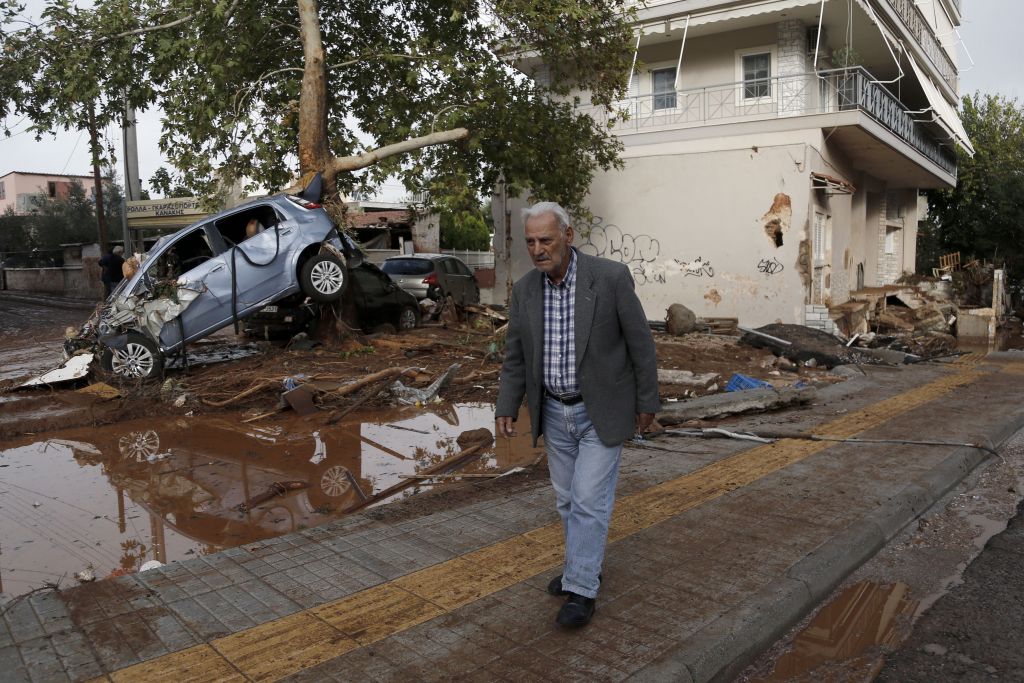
{"points": [[570, 400]]}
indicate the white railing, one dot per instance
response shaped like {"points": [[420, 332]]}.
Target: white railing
{"points": [[773, 98]]}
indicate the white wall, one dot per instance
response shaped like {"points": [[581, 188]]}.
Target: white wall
{"points": [[689, 222]]}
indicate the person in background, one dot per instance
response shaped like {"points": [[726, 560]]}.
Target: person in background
{"points": [[110, 269]]}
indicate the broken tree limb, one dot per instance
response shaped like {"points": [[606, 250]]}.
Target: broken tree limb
{"points": [[442, 467], [370, 395], [477, 375], [387, 373], [357, 161], [255, 389]]}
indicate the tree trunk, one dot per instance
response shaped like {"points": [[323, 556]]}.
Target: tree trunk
{"points": [[94, 148], [313, 149]]}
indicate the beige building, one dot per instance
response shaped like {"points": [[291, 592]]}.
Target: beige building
{"points": [[774, 153]]}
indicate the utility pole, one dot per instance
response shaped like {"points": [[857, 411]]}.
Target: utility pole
{"points": [[507, 216], [132, 184], [101, 221]]}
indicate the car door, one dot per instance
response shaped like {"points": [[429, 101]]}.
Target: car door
{"points": [[457, 283], [261, 261], [377, 302], [470, 289], [211, 277]]}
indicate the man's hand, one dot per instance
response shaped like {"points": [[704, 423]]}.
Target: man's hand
{"points": [[507, 427], [643, 421]]}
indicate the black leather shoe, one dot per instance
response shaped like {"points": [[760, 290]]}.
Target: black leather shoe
{"points": [[576, 611], [555, 585]]}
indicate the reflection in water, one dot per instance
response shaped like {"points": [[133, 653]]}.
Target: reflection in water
{"points": [[845, 640], [117, 496]]}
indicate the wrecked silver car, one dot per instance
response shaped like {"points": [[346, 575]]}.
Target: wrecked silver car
{"points": [[219, 271]]}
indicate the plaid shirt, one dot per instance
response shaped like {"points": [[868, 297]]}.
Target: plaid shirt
{"points": [[560, 333]]}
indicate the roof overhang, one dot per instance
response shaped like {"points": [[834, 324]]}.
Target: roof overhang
{"points": [[944, 113]]}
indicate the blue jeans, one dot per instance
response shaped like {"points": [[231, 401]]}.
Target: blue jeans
{"points": [[584, 472]]}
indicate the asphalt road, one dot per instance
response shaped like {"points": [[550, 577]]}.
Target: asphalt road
{"points": [[974, 632]]}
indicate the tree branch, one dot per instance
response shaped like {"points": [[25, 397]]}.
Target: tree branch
{"points": [[355, 162], [386, 55], [170, 24]]}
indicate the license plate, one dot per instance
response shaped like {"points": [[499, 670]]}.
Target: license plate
{"points": [[270, 309]]}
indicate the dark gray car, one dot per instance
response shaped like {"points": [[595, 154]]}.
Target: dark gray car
{"points": [[220, 270], [434, 276]]}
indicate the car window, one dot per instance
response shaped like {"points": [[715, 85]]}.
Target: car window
{"points": [[463, 268], [367, 281], [240, 226], [407, 266], [446, 266], [184, 254]]}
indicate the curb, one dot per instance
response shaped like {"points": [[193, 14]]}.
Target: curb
{"points": [[720, 650]]}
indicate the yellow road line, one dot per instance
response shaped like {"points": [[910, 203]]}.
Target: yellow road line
{"points": [[291, 644]]}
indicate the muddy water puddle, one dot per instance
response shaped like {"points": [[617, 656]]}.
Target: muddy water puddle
{"points": [[164, 489], [846, 639]]}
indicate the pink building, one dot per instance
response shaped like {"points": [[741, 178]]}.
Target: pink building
{"points": [[18, 189]]}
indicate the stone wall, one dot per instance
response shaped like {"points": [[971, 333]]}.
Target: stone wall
{"points": [[78, 282]]}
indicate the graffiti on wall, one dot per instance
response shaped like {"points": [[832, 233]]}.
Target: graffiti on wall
{"points": [[637, 252], [698, 267], [770, 266]]}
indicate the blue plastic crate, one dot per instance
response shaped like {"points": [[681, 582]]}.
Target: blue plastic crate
{"points": [[740, 382]]}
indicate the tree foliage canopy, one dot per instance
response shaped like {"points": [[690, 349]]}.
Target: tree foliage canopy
{"points": [[262, 89], [465, 230], [983, 216]]}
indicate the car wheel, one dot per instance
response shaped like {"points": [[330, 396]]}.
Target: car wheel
{"points": [[331, 487], [139, 359], [407, 318], [323, 278]]}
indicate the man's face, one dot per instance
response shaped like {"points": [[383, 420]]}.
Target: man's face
{"points": [[548, 246]]}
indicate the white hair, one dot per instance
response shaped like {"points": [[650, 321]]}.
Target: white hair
{"points": [[544, 208], [118, 249]]}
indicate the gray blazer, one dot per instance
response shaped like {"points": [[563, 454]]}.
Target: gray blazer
{"points": [[615, 361]]}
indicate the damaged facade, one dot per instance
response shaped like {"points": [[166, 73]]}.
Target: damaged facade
{"points": [[774, 153]]}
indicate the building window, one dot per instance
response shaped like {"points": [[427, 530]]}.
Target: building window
{"points": [[754, 69], [3, 190], [51, 189], [819, 238], [663, 88], [757, 73]]}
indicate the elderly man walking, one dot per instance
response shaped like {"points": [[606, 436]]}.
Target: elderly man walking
{"points": [[580, 349]]}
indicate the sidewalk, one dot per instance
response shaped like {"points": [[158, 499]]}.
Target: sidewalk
{"points": [[717, 547]]}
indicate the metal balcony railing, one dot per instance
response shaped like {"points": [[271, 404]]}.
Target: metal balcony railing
{"points": [[922, 31], [807, 94]]}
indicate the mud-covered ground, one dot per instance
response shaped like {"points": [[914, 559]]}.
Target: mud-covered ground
{"points": [[32, 334], [210, 457]]}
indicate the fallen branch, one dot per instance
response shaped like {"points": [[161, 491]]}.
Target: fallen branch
{"points": [[370, 395], [476, 376], [449, 464], [387, 373], [238, 397]]}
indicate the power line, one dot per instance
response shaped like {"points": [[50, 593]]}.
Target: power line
{"points": [[80, 133]]}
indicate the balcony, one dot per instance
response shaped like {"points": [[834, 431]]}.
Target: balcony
{"points": [[922, 32], [828, 92]]}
